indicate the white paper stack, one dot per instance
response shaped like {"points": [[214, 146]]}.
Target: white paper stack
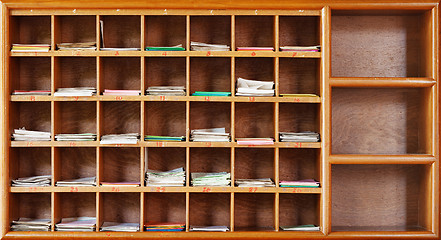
{"points": [[77, 46], [198, 46], [209, 228], [80, 182], [119, 227], [125, 138], [210, 179], [300, 48], [260, 182], [175, 177], [166, 91], [30, 224], [26, 135], [210, 135], [247, 87], [120, 49], [75, 137], [301, 228], [75, 92], [299, 137], [35, 181], [76, 224]]}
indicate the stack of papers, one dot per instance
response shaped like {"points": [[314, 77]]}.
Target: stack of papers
{"points": [[80, 182], [212, 94], [120, 49], [210, 179], [255, 49], [78, 224], [198, 46], [35, 181], [164, 227], [76, 91], [30, 224], [122, 92], [254, 88], [77, 46], [125, 138], [166, 91], [26, 135], [260, 182], [172, 178], [30, 47], [255, 141], [300, 48], [301, 228], [173, 48], [76, 137], [299, 137], [122, 184], [298, 95], [308, 183], [210, 135], [209, 228], [32, 92], [119, 227], [164, 138]]}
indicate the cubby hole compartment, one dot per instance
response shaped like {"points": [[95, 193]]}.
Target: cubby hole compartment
{"points": [[30, 73], [261, 69], [74, 163], [120, 117], [298, 164], [210, 74], [378, 197], [299, 76], [210, 209], [29, 205], [28, 162], [399, 47], [254, 120], [210, 115], [165, 31], [254, 31], [73, 205], [210, 160], [299, 209], [299, 117], [299, 31], [165, 71], [164, 207], [164, 159], [254, 212], [75, 117], [75, 29], [120, 207], [121, 31], [165, 118], [23, 114], [381, 121], [252, 163], [211, 29], [30, 29], [120, 164], [75, 72], [120, 73]]}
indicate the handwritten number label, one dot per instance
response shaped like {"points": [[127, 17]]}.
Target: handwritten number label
{"points": [[117, 53], [206, 189], [72, 144], [294, 54], [252, 99], [253, 54], [295, 190], [160, 144], [162, 98], [118, 98], [207, 99], [208, 53], [208, 144], [298, 145], [164, 54], [29, 144], [252, 189], [32, 98], [118, 145], [160, 189], [115, 189], [76, 98], [73, 189]]}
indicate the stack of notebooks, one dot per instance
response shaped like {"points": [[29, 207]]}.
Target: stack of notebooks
{"points": [[300, 48], [164, 138], [30, 224], [306, 183], [164, 227], [247, 87], [26, 135], [210, 135], [309, 227], [210, 179], [299, 137], [31, 92], [212, 94], [172, 178], [209, 228], [76, 224], [255, 49], [120, 184], [80, 182], [75, 92], [125, 138], [172, 48], [35, 181], [198, 46], [122, 92], [260, 182], [77, 46], [166, 91], [297, 95], [119, 227], [76, 137], [30, 47], [255, 141]]}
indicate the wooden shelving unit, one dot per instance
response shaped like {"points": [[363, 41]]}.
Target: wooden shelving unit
{"points": [[377, 112]]}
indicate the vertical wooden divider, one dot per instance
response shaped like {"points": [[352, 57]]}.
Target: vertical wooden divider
{"points": [[233, 119], [187, 211], [233, 33], [98, 32], [276, 122], [55, 210], [142, 33], [276, 34], [99, 209], [141, 211], [5, 104], [55, 37], [187, 37]]}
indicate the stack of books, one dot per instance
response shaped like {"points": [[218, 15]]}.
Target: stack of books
{"points": [[76, 224], [35, 181], [245, 87], [75, 92], [80, 182], [172, 48], [122, 92], [255, 141], [125, 138], [31, 224], [305, 183], [75, 137], [210, 179], [300, 48], [22, 134], [164, 138], [309, 227], [164, 227], [260, 182], [198, 46], [77, 46], [119, 227], [212, 94], [31, 92], [255, 49], [209, 228], [210, 135], [30, 47], [166, 91], [299, 137], [172, 178]]}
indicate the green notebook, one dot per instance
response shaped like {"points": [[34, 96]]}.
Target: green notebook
{"points": [[209, 94], [165, 49]]}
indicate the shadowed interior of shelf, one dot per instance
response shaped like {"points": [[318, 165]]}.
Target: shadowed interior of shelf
{"points": [[120, 117], [121, 164], [165, 30], [75, 117], [161, 71], [164, 207], [299, 76], [299, 117], [22, 114], [210, 209], [253, 212], [30, 205], [75, 29], [164, 159], [211, 29], [74, 205], [254, 31], [297, 164], [122, 31], [254, 120], [299, 31], [73, 163], [210, 75], [30, 162], [299, 209], [121, 207], [210, 115], [30, 29], [120, 73], [30, 73], [165, 118], [75, 72], [210, 160], [254, 163]]}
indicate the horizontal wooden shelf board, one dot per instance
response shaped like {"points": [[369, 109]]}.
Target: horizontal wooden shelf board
{"points": [[382, 82], [382, 159]]}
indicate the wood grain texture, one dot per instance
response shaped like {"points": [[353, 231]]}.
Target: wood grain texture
{"points": [[253, 211], [210, 75], [299, 76], [261, 69], [30, 205], [120, 73], [211, 209], [75, 72], [75, 29], [209, 160], [76, 205], [30, 29], [164, 159], [76, 117], [24, 115], [165, 118], [122, 31], [210, 29], [164, 207], [299, 31], [299, 117], [210, 115], [75, 162], [297, 164], [30, 162], [168, 71], [121, 164], [254, 120], [254, 31], [120, 117], [299, 209], [165, 30], [30, 73], [121, 207], [254, 163]]}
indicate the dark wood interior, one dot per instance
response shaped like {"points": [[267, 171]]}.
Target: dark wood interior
{"points": [[121, 164], [75, 72], [210, 74], [22, 114], [298, 164], [210, 160], [299, 31], [30, 162], [75, 117], [75, 29], [254, 163], [261, 69], [122, 31], [30, 29], [168, 71], [253, 212], [120, 117], [30, 205], [299, 117], [211, 29], [121, 207], [164, 159], [30, 73], [120, 73], [299, 209], [298, 75], [164, 207], [254, 120], [165, 31], [75, 163], [210, 115], [165, 118], [211, 209], [254, 31], [75, 205]]}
